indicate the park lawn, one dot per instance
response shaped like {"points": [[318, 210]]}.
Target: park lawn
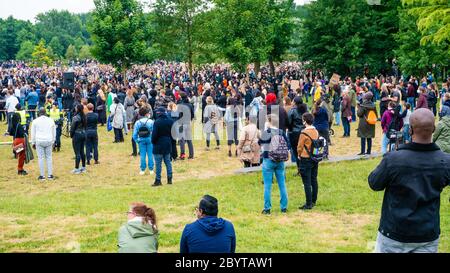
{"points": [[87, 210]]}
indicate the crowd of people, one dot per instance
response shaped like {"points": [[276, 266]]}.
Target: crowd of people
{"points": [[268, 119]]}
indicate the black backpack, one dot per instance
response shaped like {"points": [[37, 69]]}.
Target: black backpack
{"points": [[143, 131], [317, 152]]}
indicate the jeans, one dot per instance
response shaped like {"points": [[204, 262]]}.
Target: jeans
{"points": [[134, 147], [216, 135], [58, 136], [32, 111], [146, 151], [412, 102], [60, 106], [384, 143], [363, 145], [158, 160], [337, 118], [406, 135], [308, 171], [353, 113], [44, 153], [269, 168], [78, 142], [91, 144], [387, 245], [346, 125]]}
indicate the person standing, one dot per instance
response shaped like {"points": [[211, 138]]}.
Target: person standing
{"points": [[308, 167], [352, 94], [56, 115], [232, 121], [422, 102], [412, 179], [91, 134], [162, 144], [11, 102], [118, 117], [346, 113], [17, 131], [142, 134], [211, 118], [101, 107], [442, 134], [295, 127], [321, 122], [248, 148], [275, 148], [209, 234], [187, 114], [78, 135], [32, 100], [43, 136], [367, 114]]}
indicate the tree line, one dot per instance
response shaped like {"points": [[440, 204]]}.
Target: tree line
{"points": [[348, 37]]}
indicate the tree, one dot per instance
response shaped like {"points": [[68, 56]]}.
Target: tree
{"points": [[433, 19], [349, 37], [282, 28], [25, 51], [177, 20], [8, 38], [71, 53], [85, 53], [117, 31], [56, 46], [243, 35], [41, 55], [414, 57]]}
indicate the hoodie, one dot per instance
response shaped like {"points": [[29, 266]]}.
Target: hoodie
{"points": [[136, 237], [442, 134], [209, 234]]}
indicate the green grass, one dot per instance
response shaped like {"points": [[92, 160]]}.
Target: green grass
{"points": [[89, 209]]}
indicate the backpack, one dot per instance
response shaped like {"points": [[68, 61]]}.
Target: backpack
{"points": [[279, 151], [371, 118], [143, 131], [317, 152]]}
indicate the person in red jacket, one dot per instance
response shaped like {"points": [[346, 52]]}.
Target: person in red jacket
{"points": [[422, 101]]}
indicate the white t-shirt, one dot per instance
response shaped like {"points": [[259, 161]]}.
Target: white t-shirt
{"points": [[11, 103]]}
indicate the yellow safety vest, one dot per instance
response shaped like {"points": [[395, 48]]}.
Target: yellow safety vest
{"points": [[48, 107], [55, 114], [23, 117]]}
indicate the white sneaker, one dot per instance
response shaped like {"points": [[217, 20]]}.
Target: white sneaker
{"points": [[152, 172], [141, 172], [76, 171]]}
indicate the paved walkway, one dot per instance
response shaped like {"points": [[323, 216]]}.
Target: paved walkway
{"points": [[331, 160]]}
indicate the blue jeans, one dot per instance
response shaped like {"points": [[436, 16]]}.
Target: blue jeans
{"points": [[146, 150], [406, 135], [337, 118], [353, 114], [412, 101], [346, 125], [269, 168], [158, 160], [384, 143], [60, 103]]}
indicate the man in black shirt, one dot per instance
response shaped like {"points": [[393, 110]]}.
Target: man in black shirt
{"points": [[412, 179], [91, 134]]}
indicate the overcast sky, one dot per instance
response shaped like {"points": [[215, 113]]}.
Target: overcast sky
{"points": [[28, 9]]}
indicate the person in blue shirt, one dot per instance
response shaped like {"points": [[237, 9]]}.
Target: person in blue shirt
{"points": [[32, 99], [209, 234], [144, 139]]}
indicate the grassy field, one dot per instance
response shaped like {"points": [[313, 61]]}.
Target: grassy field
{"points": [[87, 210]]}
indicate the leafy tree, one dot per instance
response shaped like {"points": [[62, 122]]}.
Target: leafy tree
{"points": [[243, 35], [41, 55], [8, 38], [413, 57], [85, 53], [71, 53], [25, 51], [177, 22], [56, 46], [433, 19], [117, 31]]}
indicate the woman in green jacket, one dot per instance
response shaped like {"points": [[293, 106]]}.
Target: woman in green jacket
{"points": [[442, 134], [140, 233]]}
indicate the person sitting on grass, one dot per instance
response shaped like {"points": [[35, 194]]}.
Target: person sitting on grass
{"points": [[412, 179], [140, 234], [209, 234]]}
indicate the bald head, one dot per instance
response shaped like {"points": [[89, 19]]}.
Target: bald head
{"points": [[422, 126], [42, 112]]}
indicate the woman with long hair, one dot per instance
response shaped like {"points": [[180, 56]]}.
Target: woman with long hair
{"points": [[101, 107], [78, 135], [140, 233]]}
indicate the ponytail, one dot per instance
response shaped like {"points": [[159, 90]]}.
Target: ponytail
{"points": [[150, 218]]}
